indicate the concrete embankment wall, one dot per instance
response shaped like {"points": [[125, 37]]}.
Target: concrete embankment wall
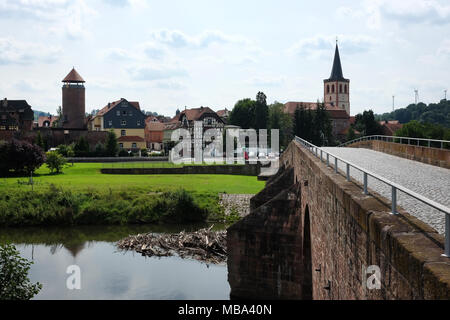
{"points": [[248, 170], [312, 234], [433, 156]]}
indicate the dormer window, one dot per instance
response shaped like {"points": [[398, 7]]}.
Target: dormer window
{"points": [[124, 122]]}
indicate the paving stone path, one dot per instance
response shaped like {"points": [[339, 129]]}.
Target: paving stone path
{"points": [[430, 181]]}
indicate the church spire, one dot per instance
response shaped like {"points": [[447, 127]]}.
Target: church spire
{"points": [[336, 72]]}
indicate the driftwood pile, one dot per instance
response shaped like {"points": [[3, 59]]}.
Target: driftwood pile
{"points": [[204, 245]]}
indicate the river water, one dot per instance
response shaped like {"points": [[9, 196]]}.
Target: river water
{"points": [[108, 273]]}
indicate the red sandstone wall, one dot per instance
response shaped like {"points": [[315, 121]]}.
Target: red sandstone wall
{"points": [[349, 231]]}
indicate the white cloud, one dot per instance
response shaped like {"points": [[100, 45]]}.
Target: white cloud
{"points": [[320, 46], [149, 72], [266, 81], [374, 12], [15, 52], [178, 39], [444, 48]]}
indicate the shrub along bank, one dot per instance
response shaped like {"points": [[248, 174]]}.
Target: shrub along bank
{"points": [[57, 206]]}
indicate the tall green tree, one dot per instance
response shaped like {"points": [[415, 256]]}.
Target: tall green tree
{"points": [[261, 112], [111, 145], [242, 114], [81, 147], [282, 121], [367, 124], [39, 141]]}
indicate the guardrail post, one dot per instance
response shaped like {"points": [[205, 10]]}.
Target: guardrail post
{"points": [[320, 155], [348, 172], [335, 165], [328, 160], [429, 143], [394, 200], [365, 183], [442, 144], [447, 235]]}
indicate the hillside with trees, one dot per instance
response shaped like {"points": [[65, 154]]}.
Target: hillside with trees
{"points": [[436, 113]]}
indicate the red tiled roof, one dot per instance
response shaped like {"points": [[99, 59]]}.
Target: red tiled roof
{"points": [[73, 76], [222, 113], [335, 112], [390, 127], [130, 139], [195, 113]]}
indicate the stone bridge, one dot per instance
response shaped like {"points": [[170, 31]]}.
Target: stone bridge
{"points": [[312, 234]]}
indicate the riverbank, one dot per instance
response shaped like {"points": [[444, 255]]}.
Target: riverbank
{"points": [[82, 195]]}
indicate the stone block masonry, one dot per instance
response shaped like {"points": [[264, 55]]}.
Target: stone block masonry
{"points": [[317, 237]]}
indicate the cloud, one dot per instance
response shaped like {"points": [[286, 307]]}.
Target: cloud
{"points": [[150, 73], [444, 48], [178, 39], [19, 53], [62, 17], [265, 81], [374, 12], [320, 46], [169, 85]]}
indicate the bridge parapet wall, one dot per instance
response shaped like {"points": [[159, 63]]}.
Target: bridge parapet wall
{"points": [[338, 233], [433, 156]]}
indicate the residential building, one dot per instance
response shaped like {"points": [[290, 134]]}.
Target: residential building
{"points": [[390, 127], [126, 119], [16, 115], [154, 132]]}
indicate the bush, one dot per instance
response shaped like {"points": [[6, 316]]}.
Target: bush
{"points": [[55, 161], [123, 153], [182, 208], [66, 150], [111, 146], [144, 152], [20, 156], [81, 147], [100, 150], [14, 282]]}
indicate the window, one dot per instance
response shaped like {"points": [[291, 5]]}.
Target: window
{"points": [[139, 122], [118, 113], [124, 112], [124, 122], [133, 145], [345, 88], [121, 145], [123, 133], [130, 113], [340, 88], [110, 123], [209, 121], [332, 88], [328, 88]]}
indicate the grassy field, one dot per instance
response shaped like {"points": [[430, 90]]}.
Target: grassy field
{"points": [[82, 195], [86, 176]]}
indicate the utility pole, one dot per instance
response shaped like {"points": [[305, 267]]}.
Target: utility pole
{"points": [[416, 95], [393, 103], [445, 94]]}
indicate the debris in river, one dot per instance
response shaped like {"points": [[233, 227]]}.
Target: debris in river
{"points": [[204, 245]]}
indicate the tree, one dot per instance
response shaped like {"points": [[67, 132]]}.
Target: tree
{"points": [[351, 135], [81, 147], [100, 150], [66, 150], [322, 132], [261, 112], [303, 123], [366, 124], [58, 122], [278, 119], [39, 142], [111, 146], [14, 282], [242, 114], [20, 156], [55, 161]]}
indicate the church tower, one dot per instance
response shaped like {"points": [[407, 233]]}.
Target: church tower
{"points": [[337, 88], [73, 101]]}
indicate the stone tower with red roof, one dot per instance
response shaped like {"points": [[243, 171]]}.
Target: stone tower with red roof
{"points": [[73, 101]]}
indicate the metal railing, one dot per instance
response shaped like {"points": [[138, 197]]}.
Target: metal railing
{"points": [[325, 157], [416, 141]]}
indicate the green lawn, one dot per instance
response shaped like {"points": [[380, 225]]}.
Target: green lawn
{"points": [[85, 176]]}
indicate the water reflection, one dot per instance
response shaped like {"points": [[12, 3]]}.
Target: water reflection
{"points": [[107, 273]]}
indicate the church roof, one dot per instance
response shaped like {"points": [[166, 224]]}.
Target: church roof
{"points": [[73, 76], [336, 71]]}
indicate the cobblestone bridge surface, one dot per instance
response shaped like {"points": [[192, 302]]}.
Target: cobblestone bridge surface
{"points": [[430, 181]]}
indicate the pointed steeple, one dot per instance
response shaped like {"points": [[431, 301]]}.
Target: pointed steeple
{"points": [[336, 71]]}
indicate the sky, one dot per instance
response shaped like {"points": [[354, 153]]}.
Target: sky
{"points": [[172, 54]]}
